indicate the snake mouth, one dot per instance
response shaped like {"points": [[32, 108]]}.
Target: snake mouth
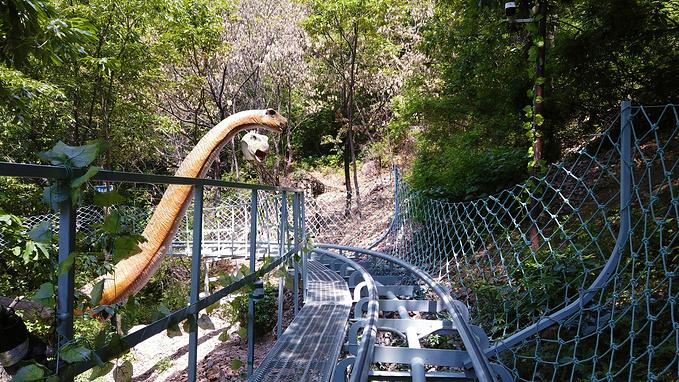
{"points": [[260, 155]]}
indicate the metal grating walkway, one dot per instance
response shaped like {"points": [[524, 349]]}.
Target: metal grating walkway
{"points": [[309, 348]]}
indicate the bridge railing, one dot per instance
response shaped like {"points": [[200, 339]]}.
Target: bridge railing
{"points": [[269, 230]]}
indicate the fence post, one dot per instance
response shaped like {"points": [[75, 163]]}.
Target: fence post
{"points": [[305, 260], [298, 240], [282, 241], [65, 280], [195, 278], [251, 302], [625, 164]]}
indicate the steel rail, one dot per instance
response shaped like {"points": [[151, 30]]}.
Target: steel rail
{"points": [[364, 355], [479, 362]]}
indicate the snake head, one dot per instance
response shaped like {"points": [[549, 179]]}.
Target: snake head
{"points": [[254, 146]]}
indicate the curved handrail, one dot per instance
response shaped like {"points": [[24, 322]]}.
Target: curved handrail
{"points": [[364, 355], [480, 363]]}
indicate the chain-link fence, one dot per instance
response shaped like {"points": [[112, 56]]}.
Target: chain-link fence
{"points": [[226, 220], [573, 274]]}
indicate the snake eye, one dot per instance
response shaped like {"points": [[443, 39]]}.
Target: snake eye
{"points": [[270, 112]]}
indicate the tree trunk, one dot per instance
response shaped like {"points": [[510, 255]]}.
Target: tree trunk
{"points": [[347, 176], [352, 81], [347, 151], [288, 135]]}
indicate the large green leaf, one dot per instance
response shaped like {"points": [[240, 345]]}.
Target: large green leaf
{"points": [[124, 247], [73, 353], [55, 194], [42, 233], [74, 156], [65, 265], [190, 324], [111, 223], [107, 199], [95, 295], [45, 295], [30, 372], [79, 181]]}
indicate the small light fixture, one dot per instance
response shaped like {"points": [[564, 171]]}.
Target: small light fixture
{"points": [[511, 10]]}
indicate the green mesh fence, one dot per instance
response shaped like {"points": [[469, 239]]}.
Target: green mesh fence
{"points": [[572, 274]]}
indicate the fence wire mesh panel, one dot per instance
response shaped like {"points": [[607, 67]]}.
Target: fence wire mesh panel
{"points": [[226, 223], [573, 273], [329, 221]]}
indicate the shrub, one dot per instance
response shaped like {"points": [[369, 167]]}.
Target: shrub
{"points": [[265, 310]]}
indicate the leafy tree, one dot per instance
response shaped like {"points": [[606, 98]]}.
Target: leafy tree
{"points": [[352, 40], [467, 103]]}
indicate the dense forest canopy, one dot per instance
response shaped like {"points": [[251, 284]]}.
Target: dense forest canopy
{"points": [[442, 87]]}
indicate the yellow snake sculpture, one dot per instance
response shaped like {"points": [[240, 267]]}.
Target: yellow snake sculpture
{"points": [[131, 274]]}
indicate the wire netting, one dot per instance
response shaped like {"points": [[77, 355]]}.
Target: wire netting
{"points": [[538, 264]]}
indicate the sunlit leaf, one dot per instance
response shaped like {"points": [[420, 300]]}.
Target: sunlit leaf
{"points": [[75, 156], [27, 373], [107, 199], [72, 353], [79, 181], [100, 371], [41, 233], [67, 263], [95, 295], [123, 373]]}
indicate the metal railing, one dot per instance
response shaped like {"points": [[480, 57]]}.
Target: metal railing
{"points": [[66, 245], [573, 272]]}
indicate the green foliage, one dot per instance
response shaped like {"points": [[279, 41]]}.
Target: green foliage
{"points": [[33, 29], [265, 311], [168, 287], [482, 68], [460, 170], [30, 372], [26, 261]]}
